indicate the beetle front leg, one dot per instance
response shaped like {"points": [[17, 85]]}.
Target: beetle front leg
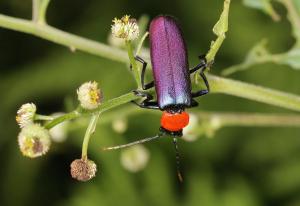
{"points": [[147, 103], [144, 86], [202, 64]]}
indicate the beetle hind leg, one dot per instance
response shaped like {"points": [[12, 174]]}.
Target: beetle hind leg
{"points": [[146, 103], [144, 85]]}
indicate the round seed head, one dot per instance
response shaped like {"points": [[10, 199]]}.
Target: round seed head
{"points": [[34, 140], [83, 170]]}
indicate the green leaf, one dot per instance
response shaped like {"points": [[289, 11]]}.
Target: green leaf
{"points": [[263, 5], [297, 5]]}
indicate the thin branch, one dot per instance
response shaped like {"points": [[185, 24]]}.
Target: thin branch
{"points": [[218, 85]]}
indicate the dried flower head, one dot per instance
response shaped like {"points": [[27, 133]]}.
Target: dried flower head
{"points": [[26, 114], [135, 158], [125, 28], [83, 169], [89, 95], [34, 140]]}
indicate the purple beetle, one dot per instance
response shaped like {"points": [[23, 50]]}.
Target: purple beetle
{"points": [[171, 80]]}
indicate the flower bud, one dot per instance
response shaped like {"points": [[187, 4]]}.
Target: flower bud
{"points": [[83, 169], [89, 95], [189, 132], [125, 28], [26, 114], [135, 158], [34, 140], [59, 132], [120, 125]]}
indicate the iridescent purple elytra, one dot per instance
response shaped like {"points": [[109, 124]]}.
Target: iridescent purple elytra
{"points": [[170, 63]]}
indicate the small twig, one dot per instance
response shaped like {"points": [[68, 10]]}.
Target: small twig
{"points": [[135, 68], [39, 9], [90, 130]]}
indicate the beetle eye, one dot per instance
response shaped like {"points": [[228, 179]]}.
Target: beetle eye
{"points": [[174, 122]]}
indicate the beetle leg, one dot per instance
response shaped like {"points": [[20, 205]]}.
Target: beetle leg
{"points": [[148, 85], [194, 103], [147, 103], [204, 78], [202, 64], [200, 93]]}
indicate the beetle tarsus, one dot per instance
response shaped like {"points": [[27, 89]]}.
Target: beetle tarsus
{"points": [[147, 103]]}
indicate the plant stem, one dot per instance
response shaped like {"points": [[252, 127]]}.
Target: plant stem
{"points": [[219, 29], [43, 117], [251, 120], [60, 37], [39, 8], [69, 116], [218, 85], [253, 92], [275, 58], [90, 130], [140, 44], [135, 68], [102, 108], [294, 18]]}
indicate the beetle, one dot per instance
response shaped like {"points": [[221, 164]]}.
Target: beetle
{"points": [[172, 81]]}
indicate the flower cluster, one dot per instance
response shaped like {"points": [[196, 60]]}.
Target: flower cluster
{"points": [[125, 28]]}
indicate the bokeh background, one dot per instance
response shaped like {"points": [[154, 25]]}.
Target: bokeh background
{"points": [[237, 167]]}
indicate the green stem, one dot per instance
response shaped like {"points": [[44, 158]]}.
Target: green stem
{"points": [[102, 108], [274, 58], [43, 117], [135, 68], [39, 9], [218, 85], [90, 130], [69, 116], [253, 92], [140, 44], [60, 37], [294, 18], [251, 120], [219, 29]]}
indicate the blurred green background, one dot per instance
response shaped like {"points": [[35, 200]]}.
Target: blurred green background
{"points": [[238, 167]]}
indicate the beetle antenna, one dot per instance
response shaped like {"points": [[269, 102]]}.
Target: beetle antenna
{"points": [[177, 160], [134, 143]]}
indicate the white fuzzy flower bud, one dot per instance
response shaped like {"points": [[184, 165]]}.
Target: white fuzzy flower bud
{"points": [[120, 125], [34, 140], [125, 28], [89, 95], [135, 158], [26, 114]]}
